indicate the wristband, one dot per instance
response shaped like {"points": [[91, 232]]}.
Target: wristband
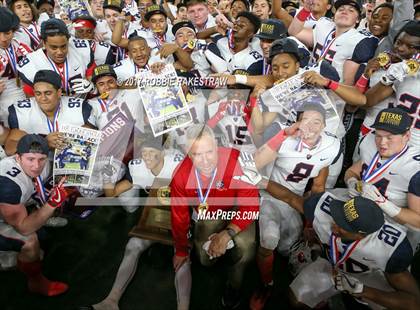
{"points": [[303, 15], [333, 85], [389, 208], [362, 84], [241, 79], [253, 102], [275, 142]]}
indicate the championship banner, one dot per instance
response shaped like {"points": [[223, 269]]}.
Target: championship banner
{"points": [[163, 100], [76, 159], [287, 97], [75, 8], [108, 165]]}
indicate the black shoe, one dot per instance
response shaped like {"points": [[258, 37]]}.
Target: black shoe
{"points": [[231, 298]]}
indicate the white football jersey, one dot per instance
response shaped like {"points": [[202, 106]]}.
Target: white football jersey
{"points": [[407, 93], [9, 168], [207, 58], [126, 68], [127, 101], [247, 60], [103, 52], [372, 253], [26, 115], [389, 102], [353, 45], [394, 182], [79, 59], [142, 177], [293, 167]]}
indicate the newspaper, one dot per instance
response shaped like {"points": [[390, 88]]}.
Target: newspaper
{"points": [[77, 158], [163, 100], [112, 149], [75, 8], [287, 97]]}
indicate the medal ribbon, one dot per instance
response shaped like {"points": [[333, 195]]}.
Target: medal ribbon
{"points": [[64, 74], [329, 40], [231, 42], [200, 191], [335, 258], [34, 38], [104, 105], [372, 172], [266, 67], [11, 55], [40, 189], [53, 126]]}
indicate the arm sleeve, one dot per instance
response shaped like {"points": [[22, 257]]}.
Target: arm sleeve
{"points": [[401, 258], [180, 215], [328, 71], [364, 50], [256, 68], [414, 185], [309, 206], [10, 192], [12, 118]]}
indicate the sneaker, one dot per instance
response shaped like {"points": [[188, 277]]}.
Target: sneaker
{"points": [[260, 297], [231, 298], [8, 260], [56, 221]]}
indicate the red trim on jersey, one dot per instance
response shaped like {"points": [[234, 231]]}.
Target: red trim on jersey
{"points": [[89, 70]]}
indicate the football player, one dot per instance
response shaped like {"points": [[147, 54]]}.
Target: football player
{"points": [[307, 155], [236, 49], [388, 171], [72, 59], [154, 163], [44, 113], [22, 176], [400, 81], [337, 41]]}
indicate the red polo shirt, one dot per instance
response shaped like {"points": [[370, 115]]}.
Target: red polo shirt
{"points": [[225, 193]]}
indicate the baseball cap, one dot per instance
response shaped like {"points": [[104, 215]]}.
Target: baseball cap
{"points": [[393, 120], [8, 20], [253, 19], [48, 76], [116, 5], [41, 2], [182, 24], [294, 4], [272, 29], [10, 2], [284, 45], [354, 3], [152, 10], [103, 70], [357, 215], [84, 21], [26, 145], [52, 27]]}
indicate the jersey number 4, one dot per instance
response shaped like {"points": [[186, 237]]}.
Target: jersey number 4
{"points": [[300, 172]]}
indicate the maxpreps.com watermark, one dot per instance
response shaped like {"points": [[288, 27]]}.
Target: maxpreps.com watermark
{"points": [[227, 215]]}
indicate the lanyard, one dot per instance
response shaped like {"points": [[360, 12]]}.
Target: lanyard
{"points": [[53, 126], [11, 55], [335, 258], [34, 38], [202, 198], [231, 42], [329, 40], [373, 172], [64, 73], [40, 189], [266, 67], [159, 40]]}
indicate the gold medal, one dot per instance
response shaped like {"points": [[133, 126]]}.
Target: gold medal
{"points": [[202, 207], [279, 81], [104, 95], [163, 195], [191, 44], [359, 186], [383, 59], [413, 66]]}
